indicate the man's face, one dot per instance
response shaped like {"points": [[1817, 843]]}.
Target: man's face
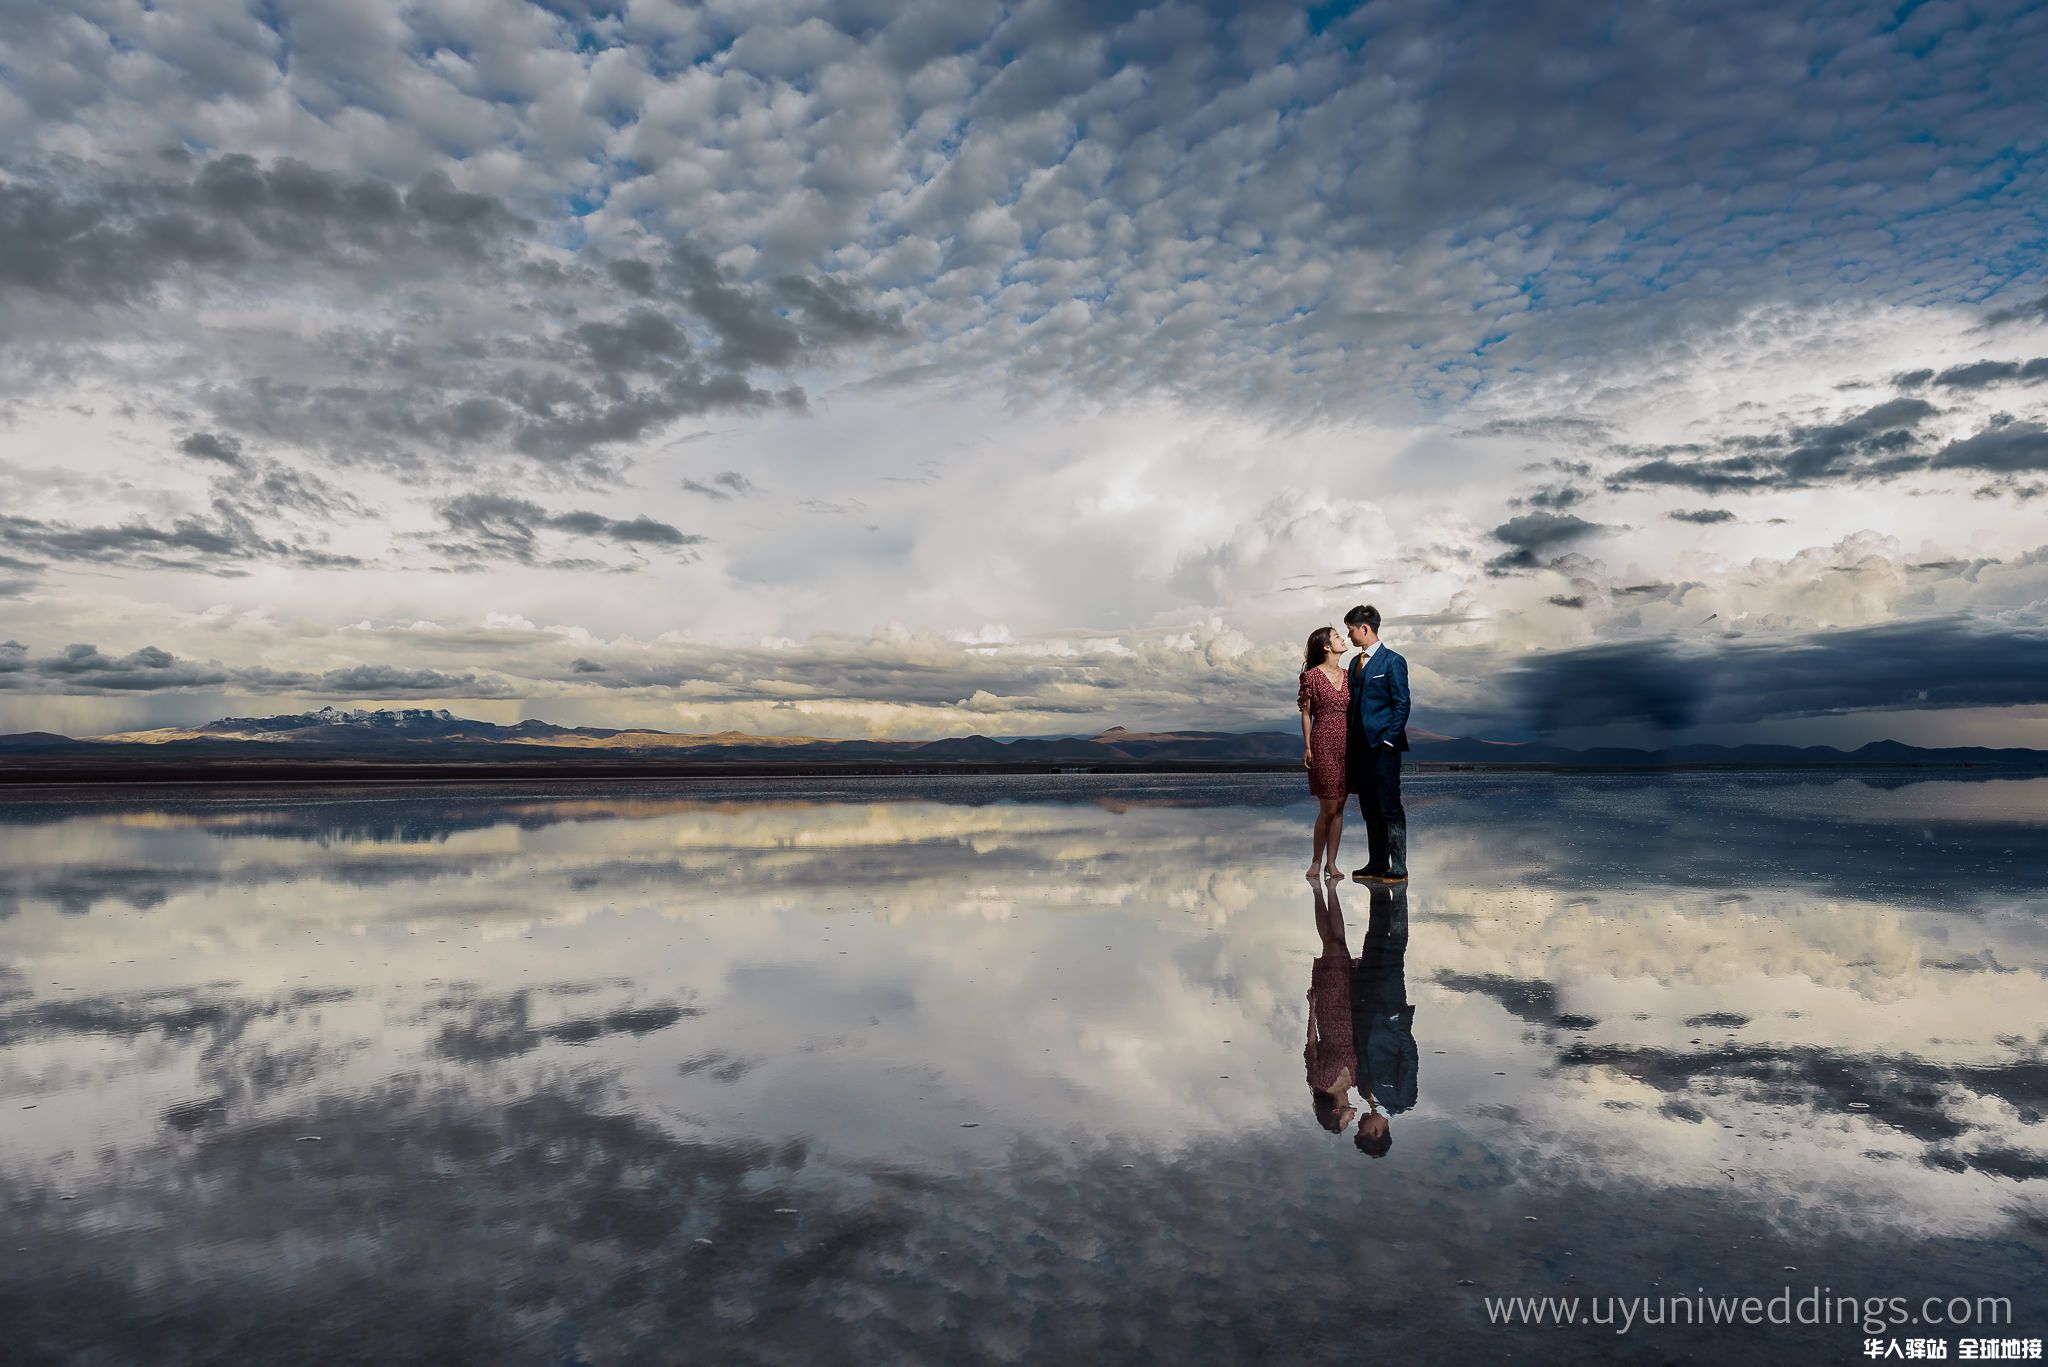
{"points": [[1361, 635], [1373, 1125]]}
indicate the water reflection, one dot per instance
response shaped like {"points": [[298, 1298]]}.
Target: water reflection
{"points": [[891, 1060], [1385, 1019]]}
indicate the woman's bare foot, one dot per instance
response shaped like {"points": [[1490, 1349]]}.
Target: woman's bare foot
{"points": [[1311, 874], [1331, 871]]}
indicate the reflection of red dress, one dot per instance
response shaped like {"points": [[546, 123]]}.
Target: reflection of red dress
{"points": [[1325, 703], [1331, 1048]]}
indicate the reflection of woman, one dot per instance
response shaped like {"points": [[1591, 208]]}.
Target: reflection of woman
{"points": [[1330, 1054], [1323, 698]]}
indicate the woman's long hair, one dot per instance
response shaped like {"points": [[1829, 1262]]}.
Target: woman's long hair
{"points": [[1316, 646]]}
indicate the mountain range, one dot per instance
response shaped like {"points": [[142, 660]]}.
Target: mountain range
{"points": [[398, 742]]}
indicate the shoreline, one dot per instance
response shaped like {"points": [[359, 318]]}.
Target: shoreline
{"points": [[346, 773]]}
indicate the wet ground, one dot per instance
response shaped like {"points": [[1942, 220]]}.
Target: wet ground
{"points": [[1012, 1070]]}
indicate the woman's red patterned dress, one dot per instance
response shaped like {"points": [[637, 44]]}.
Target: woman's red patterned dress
{"points": [[1325, 703]]}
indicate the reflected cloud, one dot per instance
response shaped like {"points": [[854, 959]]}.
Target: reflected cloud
{"points": [[879, 1000]]}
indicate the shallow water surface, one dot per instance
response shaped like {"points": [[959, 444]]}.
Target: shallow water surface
{"points": [[1009, 1069]]}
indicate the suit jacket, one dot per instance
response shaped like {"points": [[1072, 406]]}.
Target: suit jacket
{"points": [[1379, 702]]}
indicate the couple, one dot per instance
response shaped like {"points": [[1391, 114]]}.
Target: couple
{"points": [[1354, 728], [1361, 1027]]}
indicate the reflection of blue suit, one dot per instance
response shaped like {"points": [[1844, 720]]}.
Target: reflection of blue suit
{"points": [[1382, 1020]]}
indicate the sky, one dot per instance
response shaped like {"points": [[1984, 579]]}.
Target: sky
{"points": [[1662, 372]]}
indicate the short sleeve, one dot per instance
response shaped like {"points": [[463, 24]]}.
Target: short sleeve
{"points": [[1301, 695]]}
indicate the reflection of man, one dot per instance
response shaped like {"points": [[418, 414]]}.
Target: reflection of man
{"points": [[1382, 1021], [1375, 735]]}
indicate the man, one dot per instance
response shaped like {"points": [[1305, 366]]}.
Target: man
{"points": [[1376, 734], [1383, 1020]]}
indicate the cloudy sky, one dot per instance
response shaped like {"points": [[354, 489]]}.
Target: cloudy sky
{"points": [[1660, 371]]}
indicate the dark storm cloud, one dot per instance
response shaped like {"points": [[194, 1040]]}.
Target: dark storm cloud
{"points": [[389, 681], [499, 526], [1878, 443], [1625, 682], [84, 668], [210, 446], [1533, 537], [1980, 374], [2014, 448], [1557, 497], [1701, 516], [1930, 664], [88, 669]]}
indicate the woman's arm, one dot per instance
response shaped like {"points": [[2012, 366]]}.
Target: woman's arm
{"points": [[1308, 750]]}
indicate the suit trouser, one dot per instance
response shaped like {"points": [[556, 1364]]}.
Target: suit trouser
{"points": [[1378, 779], [1376, 774]]}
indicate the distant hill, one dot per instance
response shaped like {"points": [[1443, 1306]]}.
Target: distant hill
{"points": [[430, 742]]}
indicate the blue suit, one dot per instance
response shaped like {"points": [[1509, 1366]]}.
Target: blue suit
{"points": [[1375, 736], [1379, 698]]}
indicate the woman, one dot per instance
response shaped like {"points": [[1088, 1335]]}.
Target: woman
{"points": [[1323, 698], [1331, 1053]]}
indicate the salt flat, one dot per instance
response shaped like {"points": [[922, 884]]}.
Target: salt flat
{"points": [[1006, 1069]]}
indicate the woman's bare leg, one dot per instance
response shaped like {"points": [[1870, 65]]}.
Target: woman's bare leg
{"points": [[1315, 857], [1333, 833]]}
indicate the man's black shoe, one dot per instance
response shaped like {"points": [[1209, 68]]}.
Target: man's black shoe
{"points": [[1361, 875]]}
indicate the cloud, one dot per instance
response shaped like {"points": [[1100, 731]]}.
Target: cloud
{"points": [[85, 668], [1557, 496], [219, 543], [209, 446], [1877, 443], [1704, 517], [389, 681], [1426, 273], [502, 527], [504, 348], [1980, 374], [1927, 664], [2027, 311], [1532, 537], [101, 240], [723, 486], [2014, 448]]}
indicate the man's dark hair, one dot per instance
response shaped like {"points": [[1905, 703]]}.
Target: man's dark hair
{"points": [[1375, 1148], [1364, 615]]}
